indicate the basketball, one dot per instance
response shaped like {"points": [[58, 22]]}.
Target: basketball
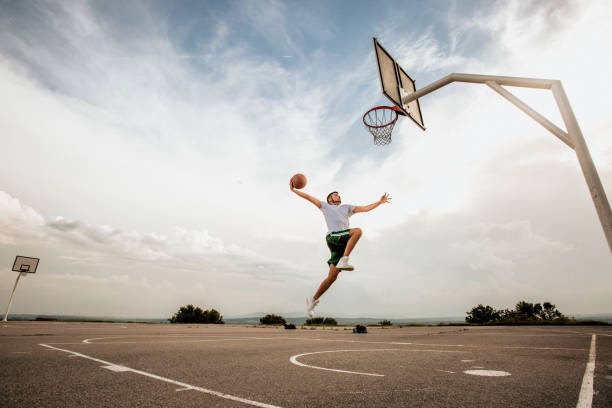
{"points": [[298, 181]]}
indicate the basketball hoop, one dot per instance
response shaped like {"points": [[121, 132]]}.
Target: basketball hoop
{"points": [[380, 122]]}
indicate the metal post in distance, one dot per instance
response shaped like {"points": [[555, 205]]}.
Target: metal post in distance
{"points": [[12, 294]]}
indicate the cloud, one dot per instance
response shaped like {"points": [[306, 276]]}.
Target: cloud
{"points": [[88, 255], [134, 111], [17, 221]]}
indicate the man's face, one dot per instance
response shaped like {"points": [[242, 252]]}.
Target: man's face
{"points": [[335, 199]]}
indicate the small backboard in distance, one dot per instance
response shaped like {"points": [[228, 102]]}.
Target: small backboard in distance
{"points": [[396, 83], [25, 264]]}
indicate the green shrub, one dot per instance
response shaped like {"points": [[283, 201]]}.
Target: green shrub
{"points": [[315, 321], [272, 319], [482, 314], [193, 314], [523, 312]]}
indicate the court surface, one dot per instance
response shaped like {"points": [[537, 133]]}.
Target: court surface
{"points": [[51, 364]]}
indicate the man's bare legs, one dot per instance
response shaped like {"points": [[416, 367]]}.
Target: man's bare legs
{"points": [[331, 278], [354, 235]]}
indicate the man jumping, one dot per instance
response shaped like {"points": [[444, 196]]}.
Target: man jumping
{"points": [[341, 238]]}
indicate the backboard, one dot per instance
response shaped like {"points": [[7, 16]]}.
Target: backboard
{"points": [[25, 264], [396, 83]]}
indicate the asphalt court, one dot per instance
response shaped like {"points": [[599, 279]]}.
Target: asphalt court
{"points": [[115, 364]]}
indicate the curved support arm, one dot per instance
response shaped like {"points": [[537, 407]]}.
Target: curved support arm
{"points": [[551, 127], [480, 79], [573, 137]]}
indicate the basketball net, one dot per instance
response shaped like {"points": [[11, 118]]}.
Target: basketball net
{"points": [[380, 122]]}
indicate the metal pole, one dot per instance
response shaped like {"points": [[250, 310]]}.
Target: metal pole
{"points": [[12, 294], [602, 206], [532, 113], [537, 83], [573, 138], [479, 79]]}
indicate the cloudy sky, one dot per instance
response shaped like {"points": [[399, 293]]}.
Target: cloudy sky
{"points": [[146, 149]]}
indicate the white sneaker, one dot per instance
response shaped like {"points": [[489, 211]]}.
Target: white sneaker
{"points": [[343, 264], [311, 303]]}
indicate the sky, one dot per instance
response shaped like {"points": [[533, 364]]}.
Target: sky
{"points": [[146, 149]]}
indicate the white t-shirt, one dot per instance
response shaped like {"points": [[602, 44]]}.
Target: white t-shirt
{"points": [[337, 216]]}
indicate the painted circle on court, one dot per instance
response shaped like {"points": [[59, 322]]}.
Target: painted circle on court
{"points": [[488, 373]]}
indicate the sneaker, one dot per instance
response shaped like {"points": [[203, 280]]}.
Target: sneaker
{"points": [[343, 264], [311, 303]]}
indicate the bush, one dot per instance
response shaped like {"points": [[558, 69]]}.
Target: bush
{"points": [[482, 314], [328, 321], [384, 323], [193, 314], [524, 312], [272, 319]]}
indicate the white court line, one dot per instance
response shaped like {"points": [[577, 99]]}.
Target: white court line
{"points": [[294, 358], [545, 348], [394, 342], [386, 342], [384, 391], [168, 380], [116, 368], [124, 336], [585, 399], [90, 340], [521, 335], [169, 341], [584, 333]]}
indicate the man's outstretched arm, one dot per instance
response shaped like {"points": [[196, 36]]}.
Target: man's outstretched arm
{"points": [[305, 196], [365, 208]]}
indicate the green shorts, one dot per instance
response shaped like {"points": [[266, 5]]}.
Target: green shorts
{"points": [[336, 242]]}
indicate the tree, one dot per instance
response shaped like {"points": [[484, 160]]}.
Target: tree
{"points": [[272, 319], [550, 312], [328, 321], [194, 314], [506, 314], [482, 314], [314, 321], [384, 323], [526, 310], [523, 312], [546, 311], [212, 316], [537, 310]]}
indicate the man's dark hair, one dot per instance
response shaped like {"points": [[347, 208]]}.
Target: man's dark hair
{"points": [[329, 196]]}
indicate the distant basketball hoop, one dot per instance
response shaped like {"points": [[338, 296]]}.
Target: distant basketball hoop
{"points": [[24, 265]]}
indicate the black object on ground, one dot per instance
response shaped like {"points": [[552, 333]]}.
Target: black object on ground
{"points": [[360, 329]]}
